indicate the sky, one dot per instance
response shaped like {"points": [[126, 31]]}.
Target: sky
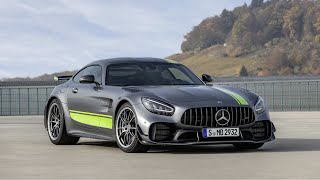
{"points": [[47, 36]]}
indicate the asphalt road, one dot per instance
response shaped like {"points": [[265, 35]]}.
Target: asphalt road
{"points": [[26, 152]]}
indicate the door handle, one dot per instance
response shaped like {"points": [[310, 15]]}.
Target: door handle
{"points": [[75, 90]]}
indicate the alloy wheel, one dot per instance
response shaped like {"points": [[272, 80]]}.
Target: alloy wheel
{"points": [[126, 127], [55, 116]]}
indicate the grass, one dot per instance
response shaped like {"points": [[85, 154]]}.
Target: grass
{"points": [[212, 62]]}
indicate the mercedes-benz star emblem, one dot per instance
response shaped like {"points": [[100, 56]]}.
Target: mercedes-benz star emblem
{"points": [[222, 117]]}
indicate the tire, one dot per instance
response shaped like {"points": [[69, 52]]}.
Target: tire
{"points": [[56, 125], [126, 130], [248, 146]]}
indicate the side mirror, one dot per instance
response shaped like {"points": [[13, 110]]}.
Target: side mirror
{"points": [[206, 78], [88, 79]]}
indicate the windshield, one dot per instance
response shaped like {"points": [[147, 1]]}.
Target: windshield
{"points": [[139, 74]]}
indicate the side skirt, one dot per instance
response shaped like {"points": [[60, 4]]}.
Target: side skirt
{"points": [[89, 135]]}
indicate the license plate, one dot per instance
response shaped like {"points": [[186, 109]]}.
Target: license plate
{"points": [[220, 132]]}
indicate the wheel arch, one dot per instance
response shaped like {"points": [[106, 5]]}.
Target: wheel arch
{"points": [[46, 108], [122, 102]]}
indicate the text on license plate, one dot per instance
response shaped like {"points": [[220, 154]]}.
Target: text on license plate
{"points": [[220, 132]]}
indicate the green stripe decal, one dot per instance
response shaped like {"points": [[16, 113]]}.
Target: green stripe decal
{"points": [[235, 96], [92, 119]]}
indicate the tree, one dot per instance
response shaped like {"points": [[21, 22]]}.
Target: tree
{"points": [[256, 3], [317, 23], [284, 33], [243, 71], [243, 36], [277, 60], [273, 26], [209, 32], [227, 20], [293, 23]]}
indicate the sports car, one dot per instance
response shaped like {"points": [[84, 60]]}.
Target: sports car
{"points": [[141, 102]]}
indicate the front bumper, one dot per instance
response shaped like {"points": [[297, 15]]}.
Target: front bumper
{"points": [[172, 134], [185, 134]]}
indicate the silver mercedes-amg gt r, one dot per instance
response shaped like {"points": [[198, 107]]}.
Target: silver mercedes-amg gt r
{"points": [[139, 102]]}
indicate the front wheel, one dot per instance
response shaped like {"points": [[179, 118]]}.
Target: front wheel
{"points": [[247, 146], [126, 130]]}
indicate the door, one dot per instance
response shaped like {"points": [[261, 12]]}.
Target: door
{"points": [[86, 102]]}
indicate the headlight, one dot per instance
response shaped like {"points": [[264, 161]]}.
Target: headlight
{"points": [[259, 107], [158, 107]]}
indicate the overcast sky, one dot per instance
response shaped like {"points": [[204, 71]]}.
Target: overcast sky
{"points": [[47, 36]]}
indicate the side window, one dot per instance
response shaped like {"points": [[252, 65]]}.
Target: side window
{"points": [[78, 76], [180, 75], [96, 71]]}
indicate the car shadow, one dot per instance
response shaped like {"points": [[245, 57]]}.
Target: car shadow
{"points": [[109, 144], [279, 145]]}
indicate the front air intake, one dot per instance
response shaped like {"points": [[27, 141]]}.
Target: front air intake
{"points": [[261, 130], [161, 132]]}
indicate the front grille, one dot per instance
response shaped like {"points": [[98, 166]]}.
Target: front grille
{"points": [[205, 116], [261, 130]]}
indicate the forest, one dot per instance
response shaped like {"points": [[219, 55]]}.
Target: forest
{"points": [[284, 36]]}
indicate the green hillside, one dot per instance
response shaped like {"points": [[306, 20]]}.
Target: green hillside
{"points": [[211, 61], [274, 37]]}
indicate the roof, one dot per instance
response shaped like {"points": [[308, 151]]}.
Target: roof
{"points": [[106, 62]]}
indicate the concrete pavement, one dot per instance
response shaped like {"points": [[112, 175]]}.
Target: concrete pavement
{"points": [[26, 152]]}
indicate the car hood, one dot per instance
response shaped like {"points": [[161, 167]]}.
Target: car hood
{"points": [[176, 94]]}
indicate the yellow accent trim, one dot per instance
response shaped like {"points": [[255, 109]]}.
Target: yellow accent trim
{"points": [[235, 96], [89, 113], [92, 119]]}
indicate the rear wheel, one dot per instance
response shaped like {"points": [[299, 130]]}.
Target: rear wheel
{"points": [[126, 130], [56, 125], [245, 146]]}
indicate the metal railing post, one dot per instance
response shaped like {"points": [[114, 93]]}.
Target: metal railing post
{"points": [[9, 101], [300, 97], [19, 100], [282, 98], [37, 101], [273, 97], [308, 89], [1, 101], [317, 95], [28, 99]]}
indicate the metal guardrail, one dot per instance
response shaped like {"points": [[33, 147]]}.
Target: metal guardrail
{"points": [[266, 78], [289, 95], [27, 100]]}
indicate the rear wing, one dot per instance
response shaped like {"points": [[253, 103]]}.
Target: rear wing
{"points": [[62, 78]]}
